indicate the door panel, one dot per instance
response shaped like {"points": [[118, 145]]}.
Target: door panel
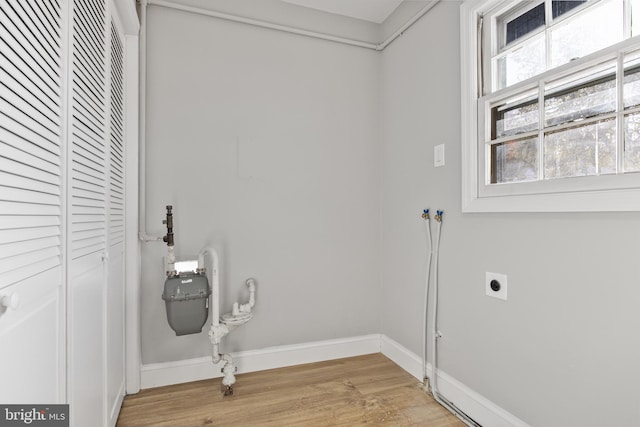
{"points": [[31, 338]]}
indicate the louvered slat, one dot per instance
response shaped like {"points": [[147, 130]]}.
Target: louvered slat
{"points": [[15, 235], [22, 114], [49, 12], [34, 254], [37, 266], [30, 138], [89, 158], [17, 208], [26, 184], [30, 37], [116, 171], [9, 222], [15, 167], [18, 47], [15, 80], [24, 249], [26, 69], [20, 195], [28, 153], [11, 87], [43, 26]]}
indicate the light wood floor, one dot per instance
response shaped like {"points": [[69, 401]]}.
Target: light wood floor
{"points": [[355, 391]]}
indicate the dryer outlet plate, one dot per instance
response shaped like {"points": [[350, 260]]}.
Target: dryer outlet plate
{"points": [[499, 288]]}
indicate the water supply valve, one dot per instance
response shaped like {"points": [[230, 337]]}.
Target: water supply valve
{"points": [[168, 239]]}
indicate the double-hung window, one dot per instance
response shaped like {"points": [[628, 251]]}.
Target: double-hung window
{"points": [[551, 105]]}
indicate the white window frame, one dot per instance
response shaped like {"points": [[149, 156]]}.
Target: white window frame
{"points": [[580, 194]]}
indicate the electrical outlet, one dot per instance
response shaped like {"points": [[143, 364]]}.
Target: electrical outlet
{"points": [[496, 285]]}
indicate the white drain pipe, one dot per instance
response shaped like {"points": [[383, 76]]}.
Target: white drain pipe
{"points": [[218, 330], [240, 315], [214, 281]]}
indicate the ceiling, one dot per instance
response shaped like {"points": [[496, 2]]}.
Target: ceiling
{"points": [[369, 10]]}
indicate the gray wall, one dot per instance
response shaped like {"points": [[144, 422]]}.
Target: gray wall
{"points": [[564, 349], [267, 146]]}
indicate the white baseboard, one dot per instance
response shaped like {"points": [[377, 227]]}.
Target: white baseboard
{"points": [[473, 404], [117, 405], [482, 410], [404, 358], [160, 374]]}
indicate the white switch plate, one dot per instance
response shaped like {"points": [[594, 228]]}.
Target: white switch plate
{"points": [[438, 155], [502, 279]]}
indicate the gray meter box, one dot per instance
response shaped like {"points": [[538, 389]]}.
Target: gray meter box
{"points": [[186, 298]]}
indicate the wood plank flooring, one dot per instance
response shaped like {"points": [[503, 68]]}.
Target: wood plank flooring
{"points": [[361, 390]]}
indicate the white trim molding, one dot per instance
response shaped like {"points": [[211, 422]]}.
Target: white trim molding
{"points": [[292, 30], [470, 402], [132, 244], [160, 374], [126, 10], [402, 357]]}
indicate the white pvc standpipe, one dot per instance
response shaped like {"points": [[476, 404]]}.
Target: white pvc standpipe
{"points": [[217, 330], [215, 282], [171, 259]]}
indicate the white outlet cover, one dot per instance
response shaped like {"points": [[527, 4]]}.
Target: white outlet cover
{"points": [[502, 279]]}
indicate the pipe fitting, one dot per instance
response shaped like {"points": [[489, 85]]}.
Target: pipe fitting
{"points": [[228, 370], [246, 308], [168, 239], [217, 332], [144, 237]]}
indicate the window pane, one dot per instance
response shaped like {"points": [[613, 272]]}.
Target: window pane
{"points": [[514, 161], [514, 118], [581, 151], [525, 23], [522, 63], [632, 143], [588, 31], [635, 17], [631, 89], [581, 98], [559, 7]]}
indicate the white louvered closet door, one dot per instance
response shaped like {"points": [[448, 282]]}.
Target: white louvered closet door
{"points": [[87, 208], [115, 351], [31, 149], [62, 181]]}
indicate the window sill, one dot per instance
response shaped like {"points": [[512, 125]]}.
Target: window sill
{"points": [[584, 201]]}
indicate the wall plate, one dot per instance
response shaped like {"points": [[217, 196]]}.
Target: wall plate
{"points": [[499, 289], [438, 155]]}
